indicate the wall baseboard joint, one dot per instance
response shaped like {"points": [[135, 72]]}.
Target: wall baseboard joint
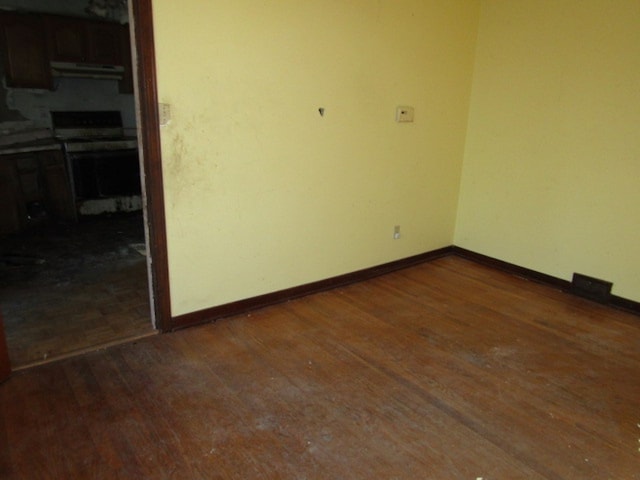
{"points": [[254, 303], [249, 304], [566, 286]]}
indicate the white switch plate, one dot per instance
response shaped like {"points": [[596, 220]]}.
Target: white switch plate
{"points": [[404, 114]]}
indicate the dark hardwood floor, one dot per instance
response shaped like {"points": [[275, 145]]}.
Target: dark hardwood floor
{"points": [[71, 288], [447, 370]]}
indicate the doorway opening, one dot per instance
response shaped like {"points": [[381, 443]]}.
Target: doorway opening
{"points": [[69, 286]]}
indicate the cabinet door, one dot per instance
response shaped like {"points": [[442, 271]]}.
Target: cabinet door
{"points": [[59, 199], [84, 41], [25, 51], [12, 210], [67, 41], [104, 43]]}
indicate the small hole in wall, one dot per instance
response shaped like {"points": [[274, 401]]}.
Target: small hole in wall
{"points": [[321, 111]]}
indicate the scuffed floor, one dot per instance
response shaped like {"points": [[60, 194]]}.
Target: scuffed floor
{"points": [[66, 289]]}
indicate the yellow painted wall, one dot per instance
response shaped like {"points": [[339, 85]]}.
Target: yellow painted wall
{"points": [[551, 176], [262, 193]]}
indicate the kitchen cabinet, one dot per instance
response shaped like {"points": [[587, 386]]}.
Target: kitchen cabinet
{"points": [[59, 201], [104, 45], [66, 39], [12, 209], [34, 187], [30, 42], [24, 51], [84, 41]]}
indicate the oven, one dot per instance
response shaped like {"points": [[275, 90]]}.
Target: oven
{"points": [[104, 174], [103, 163]]}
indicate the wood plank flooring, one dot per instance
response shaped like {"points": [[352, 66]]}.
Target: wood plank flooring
{"points": [[447, 370], [45, 322], [82, 287]]}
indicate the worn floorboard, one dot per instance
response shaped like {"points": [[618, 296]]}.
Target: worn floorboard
{"points": [[447, 370]]}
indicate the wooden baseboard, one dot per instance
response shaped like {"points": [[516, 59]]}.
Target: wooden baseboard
{"points": [[249, 304], [244, 306], [512, 268], [565, 285]]}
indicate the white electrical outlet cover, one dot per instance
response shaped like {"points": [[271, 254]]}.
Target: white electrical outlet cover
{"points": [[404, 114]]}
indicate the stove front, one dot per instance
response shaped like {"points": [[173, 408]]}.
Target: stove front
{"points": [[103, 163]]}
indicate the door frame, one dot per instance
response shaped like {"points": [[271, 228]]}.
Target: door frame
{"points": [[146, 94], [5, 363]]}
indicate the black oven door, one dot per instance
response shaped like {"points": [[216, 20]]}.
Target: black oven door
{"points": [[105, 174]]}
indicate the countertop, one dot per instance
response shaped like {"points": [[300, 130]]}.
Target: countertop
{"points": [[39, 145]]}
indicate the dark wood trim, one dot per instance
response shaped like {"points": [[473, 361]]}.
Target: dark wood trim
{"points": [[152, 160], [625, 304], [243, 306], [249, 304], [564, 285], [513, 269], [5, 362]]}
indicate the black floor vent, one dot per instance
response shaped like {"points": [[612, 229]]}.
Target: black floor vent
{"points": [[591, 288]]}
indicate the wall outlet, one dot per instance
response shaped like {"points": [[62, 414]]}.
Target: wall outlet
{"points": [[396, 232], [404, 114]]}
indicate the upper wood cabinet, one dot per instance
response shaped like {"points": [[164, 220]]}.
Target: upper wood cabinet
{"points": [[29, 42], [67, 40], [84, 41], [104, 41], [24, 51]]}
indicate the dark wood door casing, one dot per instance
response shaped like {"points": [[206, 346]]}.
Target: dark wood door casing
{"points": [[147, 99], [5, 364]]}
